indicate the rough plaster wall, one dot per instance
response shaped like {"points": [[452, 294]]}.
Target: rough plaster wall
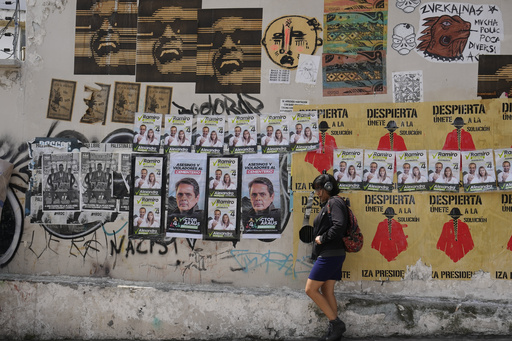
{"points": [[50, 50], [81, 308]]}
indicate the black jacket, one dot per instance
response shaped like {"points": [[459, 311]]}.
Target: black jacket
{"points": [[331, 231]]}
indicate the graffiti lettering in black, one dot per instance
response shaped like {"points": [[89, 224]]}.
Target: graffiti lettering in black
{"points": [[243, 104]]}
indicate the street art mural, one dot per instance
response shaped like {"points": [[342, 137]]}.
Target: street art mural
{"points": [[459, 32], [167, 41], [287, 37], [105, 37], [229, 50]]}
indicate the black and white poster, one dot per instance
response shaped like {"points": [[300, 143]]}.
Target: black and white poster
{"points": [[60, 182], [121, 182], [96, 180]]}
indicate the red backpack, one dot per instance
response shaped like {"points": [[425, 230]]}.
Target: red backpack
{"points": [[354, 239]]}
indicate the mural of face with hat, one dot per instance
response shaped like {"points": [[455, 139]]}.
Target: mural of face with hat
{"points": [[287, 37]]}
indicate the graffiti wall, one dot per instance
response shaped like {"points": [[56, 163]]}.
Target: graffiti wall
{"points": [[399, 82]]}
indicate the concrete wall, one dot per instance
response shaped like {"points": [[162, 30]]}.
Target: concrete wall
{"points": [[83, 308], [106, 286]]}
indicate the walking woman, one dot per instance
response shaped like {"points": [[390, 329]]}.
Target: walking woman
{"points": [[328, 252]]}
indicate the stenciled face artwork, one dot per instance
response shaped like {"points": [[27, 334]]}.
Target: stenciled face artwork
{"points": [[229, 51], [287, 37], [106, 34], [167, 40]]}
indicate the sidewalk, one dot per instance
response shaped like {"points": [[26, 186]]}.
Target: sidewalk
{"points": [[437, 338]]}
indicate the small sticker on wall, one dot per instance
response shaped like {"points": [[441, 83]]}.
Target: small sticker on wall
{"points": [[307, 70], [279, 76]]}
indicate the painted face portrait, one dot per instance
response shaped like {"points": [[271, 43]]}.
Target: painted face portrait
{"points": [[167, 40], [229, 51], [105, 39], [287, 37]]}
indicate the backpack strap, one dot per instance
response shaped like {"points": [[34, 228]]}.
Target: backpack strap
{"points": [[343, 203]]}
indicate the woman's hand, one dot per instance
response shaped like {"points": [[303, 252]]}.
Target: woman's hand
{"points": [[317, 240]]}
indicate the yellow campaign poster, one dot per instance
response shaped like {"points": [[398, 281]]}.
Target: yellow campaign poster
{"points": [[391, 225], [462, 239], [501, 110], [393, 127], [499, 235], [459, 125], [455, 233]]}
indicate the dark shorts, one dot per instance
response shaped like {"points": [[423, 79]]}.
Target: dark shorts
{"points": [[326, 268]]}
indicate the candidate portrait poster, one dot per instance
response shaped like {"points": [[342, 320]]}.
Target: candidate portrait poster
{"points": [[478, 170], [304, 131], [147, 133], [274, 133], [412, 170], [186, 197], [149, 174], [147, 219], [242, 134], [177, 133], [209, 138], [378, 170], [443, 170], [348, 168], [224, 178], [503, 158], [223, 219], [261, 196]]}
